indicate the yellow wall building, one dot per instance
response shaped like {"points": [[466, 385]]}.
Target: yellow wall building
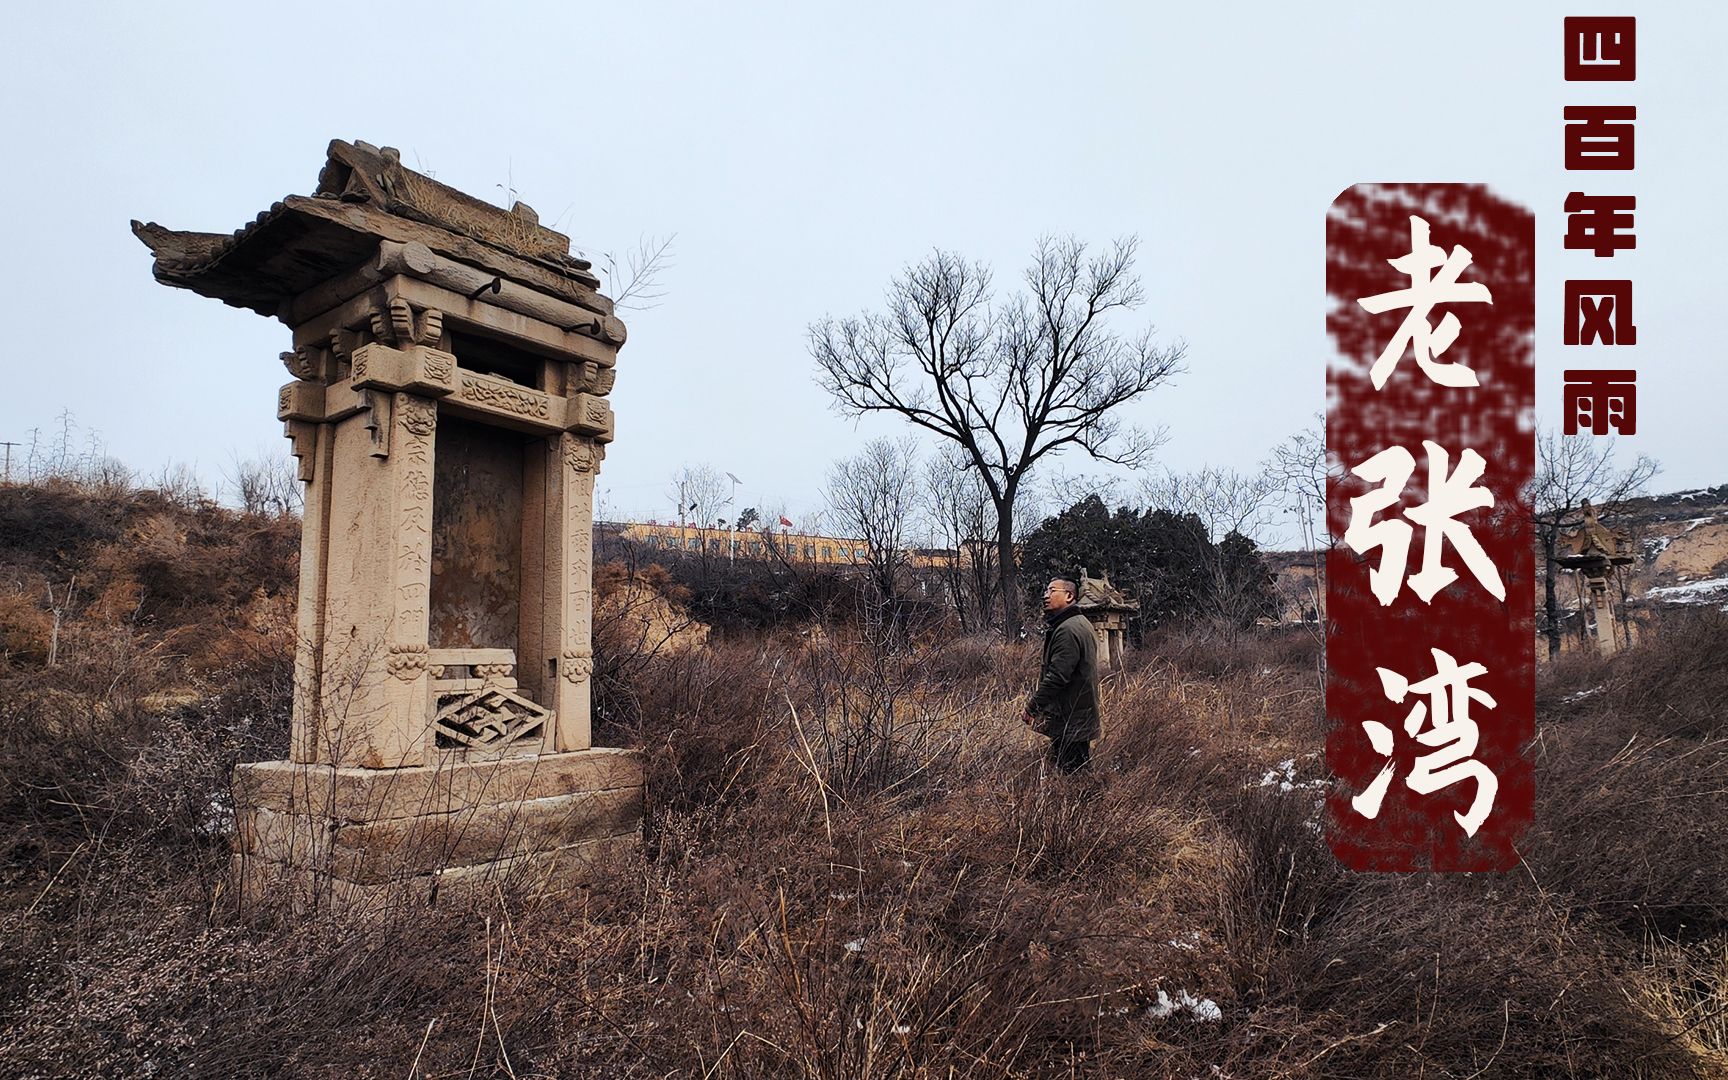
{"points": [[754, 543], [742, 543]]}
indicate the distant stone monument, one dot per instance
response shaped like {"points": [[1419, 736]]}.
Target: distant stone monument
{"points": [[1594, 552], [1108, 610], [451, 363]]}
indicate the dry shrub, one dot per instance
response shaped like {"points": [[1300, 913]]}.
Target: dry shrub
{"points": [[1631, 829], [1688, 983], [699, 717], [954, 661], [1457, 976], [1208, 651], [1675, 681], [176, 994], [25, 627], [1630, 823]]}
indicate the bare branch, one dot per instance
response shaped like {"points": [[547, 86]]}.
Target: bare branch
{"points": [[637, 285]]}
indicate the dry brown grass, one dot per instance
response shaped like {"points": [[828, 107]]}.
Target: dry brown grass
{"points": [[815, 905]]}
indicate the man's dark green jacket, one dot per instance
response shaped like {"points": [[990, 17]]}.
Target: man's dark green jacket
{"points": [[1065, 705]]}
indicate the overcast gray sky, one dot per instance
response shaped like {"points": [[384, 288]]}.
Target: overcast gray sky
{"points": [[802, 154]]}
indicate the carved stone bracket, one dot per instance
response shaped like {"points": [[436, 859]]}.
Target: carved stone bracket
{"points": [[303, 362], [303, 437], [378, 421], [343, 343], [402, 326], [587, 377], [418, 369], [300, 401]]}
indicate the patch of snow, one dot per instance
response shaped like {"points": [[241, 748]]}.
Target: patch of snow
{"points": [[902, 1029], [1695, 522], [1581, 695], [1707, 591], [855, 945], [1178, 943], [1284, 775], [1655, 546], [1287, 767], [1204, 1010]]}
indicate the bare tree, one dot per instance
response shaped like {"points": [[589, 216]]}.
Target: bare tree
{"points": [[701, 493], [962, 521], [180, 485], [1571, 469], [1008, 382], [871, 497], [1297, 467], [266, 484]]}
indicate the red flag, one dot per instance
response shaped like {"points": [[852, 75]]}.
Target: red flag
{"points": [[784, 521]]}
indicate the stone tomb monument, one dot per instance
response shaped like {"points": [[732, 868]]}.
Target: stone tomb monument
{"points": [[1109, 612], [1596, 553], [451, 363]]}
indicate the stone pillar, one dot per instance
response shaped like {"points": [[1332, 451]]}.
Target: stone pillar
{"points": [[1607, 640], [312, 445], [570, 579], [374, 688]]}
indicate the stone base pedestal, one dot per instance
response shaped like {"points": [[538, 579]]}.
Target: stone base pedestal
{"points": [[320, 835]]}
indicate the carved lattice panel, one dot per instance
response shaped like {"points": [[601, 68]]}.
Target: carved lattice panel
{"points": [[490, 718]]}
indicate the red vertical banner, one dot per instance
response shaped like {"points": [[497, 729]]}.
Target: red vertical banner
{"points": [[1430, 431]]}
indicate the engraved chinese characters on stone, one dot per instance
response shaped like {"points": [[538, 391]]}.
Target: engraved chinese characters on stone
{"points": [[1448, 496], [1442, 726], [1425, 291]]}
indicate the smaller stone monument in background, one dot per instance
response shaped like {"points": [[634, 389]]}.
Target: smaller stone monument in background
{"points": [[1109, 611], [1595, 553]]}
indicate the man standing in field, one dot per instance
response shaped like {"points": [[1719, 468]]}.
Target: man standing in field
{"points": [[1065, 705]]}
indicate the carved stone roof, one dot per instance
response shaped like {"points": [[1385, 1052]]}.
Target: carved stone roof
{"points": [[1593, 545], [1097, 595], [365, 195]]}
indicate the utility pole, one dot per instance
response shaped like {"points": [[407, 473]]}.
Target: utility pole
{"points": [[732, 535], [8, 446]]}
